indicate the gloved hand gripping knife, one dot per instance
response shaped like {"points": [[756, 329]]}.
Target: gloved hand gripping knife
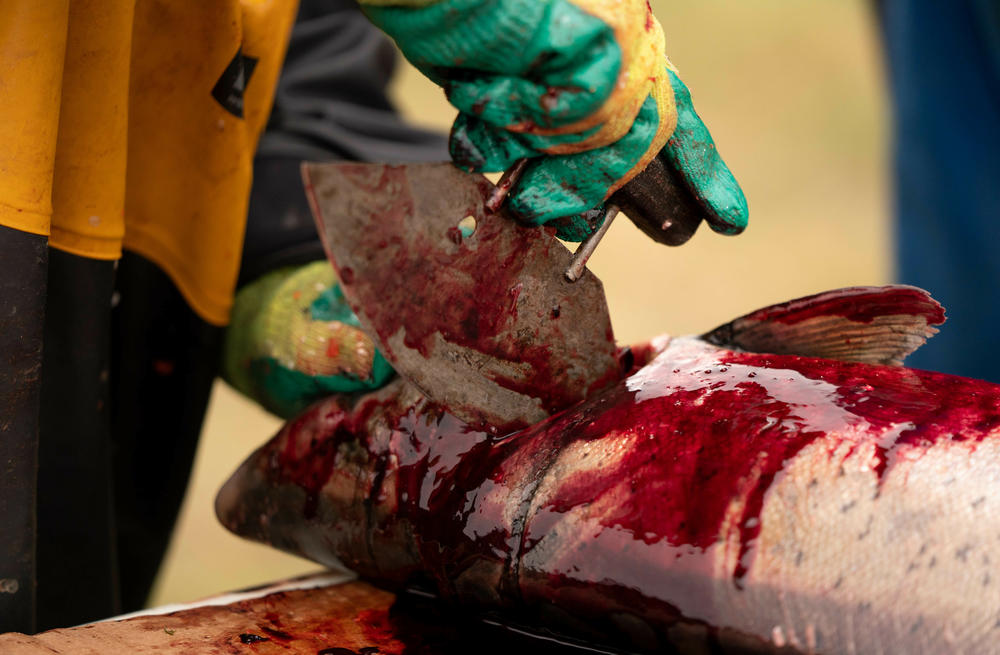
{"points": [[583, 91]]}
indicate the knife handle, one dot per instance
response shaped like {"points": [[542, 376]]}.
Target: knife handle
{"points": [[656, 200], [660, 205]]}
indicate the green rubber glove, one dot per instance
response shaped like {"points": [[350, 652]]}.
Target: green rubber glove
{"points": [[580, 87], [294, 340]]}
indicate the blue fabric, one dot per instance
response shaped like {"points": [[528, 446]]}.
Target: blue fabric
{"points": [[944, 60]]}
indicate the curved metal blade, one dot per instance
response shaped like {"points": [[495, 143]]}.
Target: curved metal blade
{"points": [[483, 323]]}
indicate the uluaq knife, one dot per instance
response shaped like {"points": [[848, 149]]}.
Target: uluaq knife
{"points": [[466, 303]]}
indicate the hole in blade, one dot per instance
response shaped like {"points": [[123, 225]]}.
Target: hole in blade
{"points": [[467, 226]]}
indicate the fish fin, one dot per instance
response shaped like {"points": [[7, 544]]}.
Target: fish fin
{"points": [[873, 325]]}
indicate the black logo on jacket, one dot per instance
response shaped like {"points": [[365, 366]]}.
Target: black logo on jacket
{"points": [[233, 82]]}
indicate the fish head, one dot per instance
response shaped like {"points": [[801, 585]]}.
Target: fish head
{"points": [[309, 490]]}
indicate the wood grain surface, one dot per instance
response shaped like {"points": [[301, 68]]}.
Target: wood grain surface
{"points": [[341, 619]]}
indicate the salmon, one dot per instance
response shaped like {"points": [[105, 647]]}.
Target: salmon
{"points": [[779, 484]]}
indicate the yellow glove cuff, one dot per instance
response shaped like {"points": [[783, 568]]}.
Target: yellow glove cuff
{"points": [[640, 37]]}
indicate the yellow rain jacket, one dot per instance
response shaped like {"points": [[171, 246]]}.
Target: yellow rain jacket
{"points": [[133, 123]]}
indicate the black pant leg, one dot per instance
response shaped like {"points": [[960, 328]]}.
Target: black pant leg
{"points": [[23, 265], [165, 359], [77, 578]]}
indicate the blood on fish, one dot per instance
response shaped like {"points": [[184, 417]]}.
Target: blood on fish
{"points": [[611, 506]]}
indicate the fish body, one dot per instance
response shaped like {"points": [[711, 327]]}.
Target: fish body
{"points": [[711, 499]]}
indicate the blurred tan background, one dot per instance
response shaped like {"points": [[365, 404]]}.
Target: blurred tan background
{"points": [[794, 95]]}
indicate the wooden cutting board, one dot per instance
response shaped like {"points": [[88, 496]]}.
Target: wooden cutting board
{"points": [[341, 619], [328, 614]]}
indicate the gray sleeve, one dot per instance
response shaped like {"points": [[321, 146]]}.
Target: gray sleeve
{"points": [[330, 104]]}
